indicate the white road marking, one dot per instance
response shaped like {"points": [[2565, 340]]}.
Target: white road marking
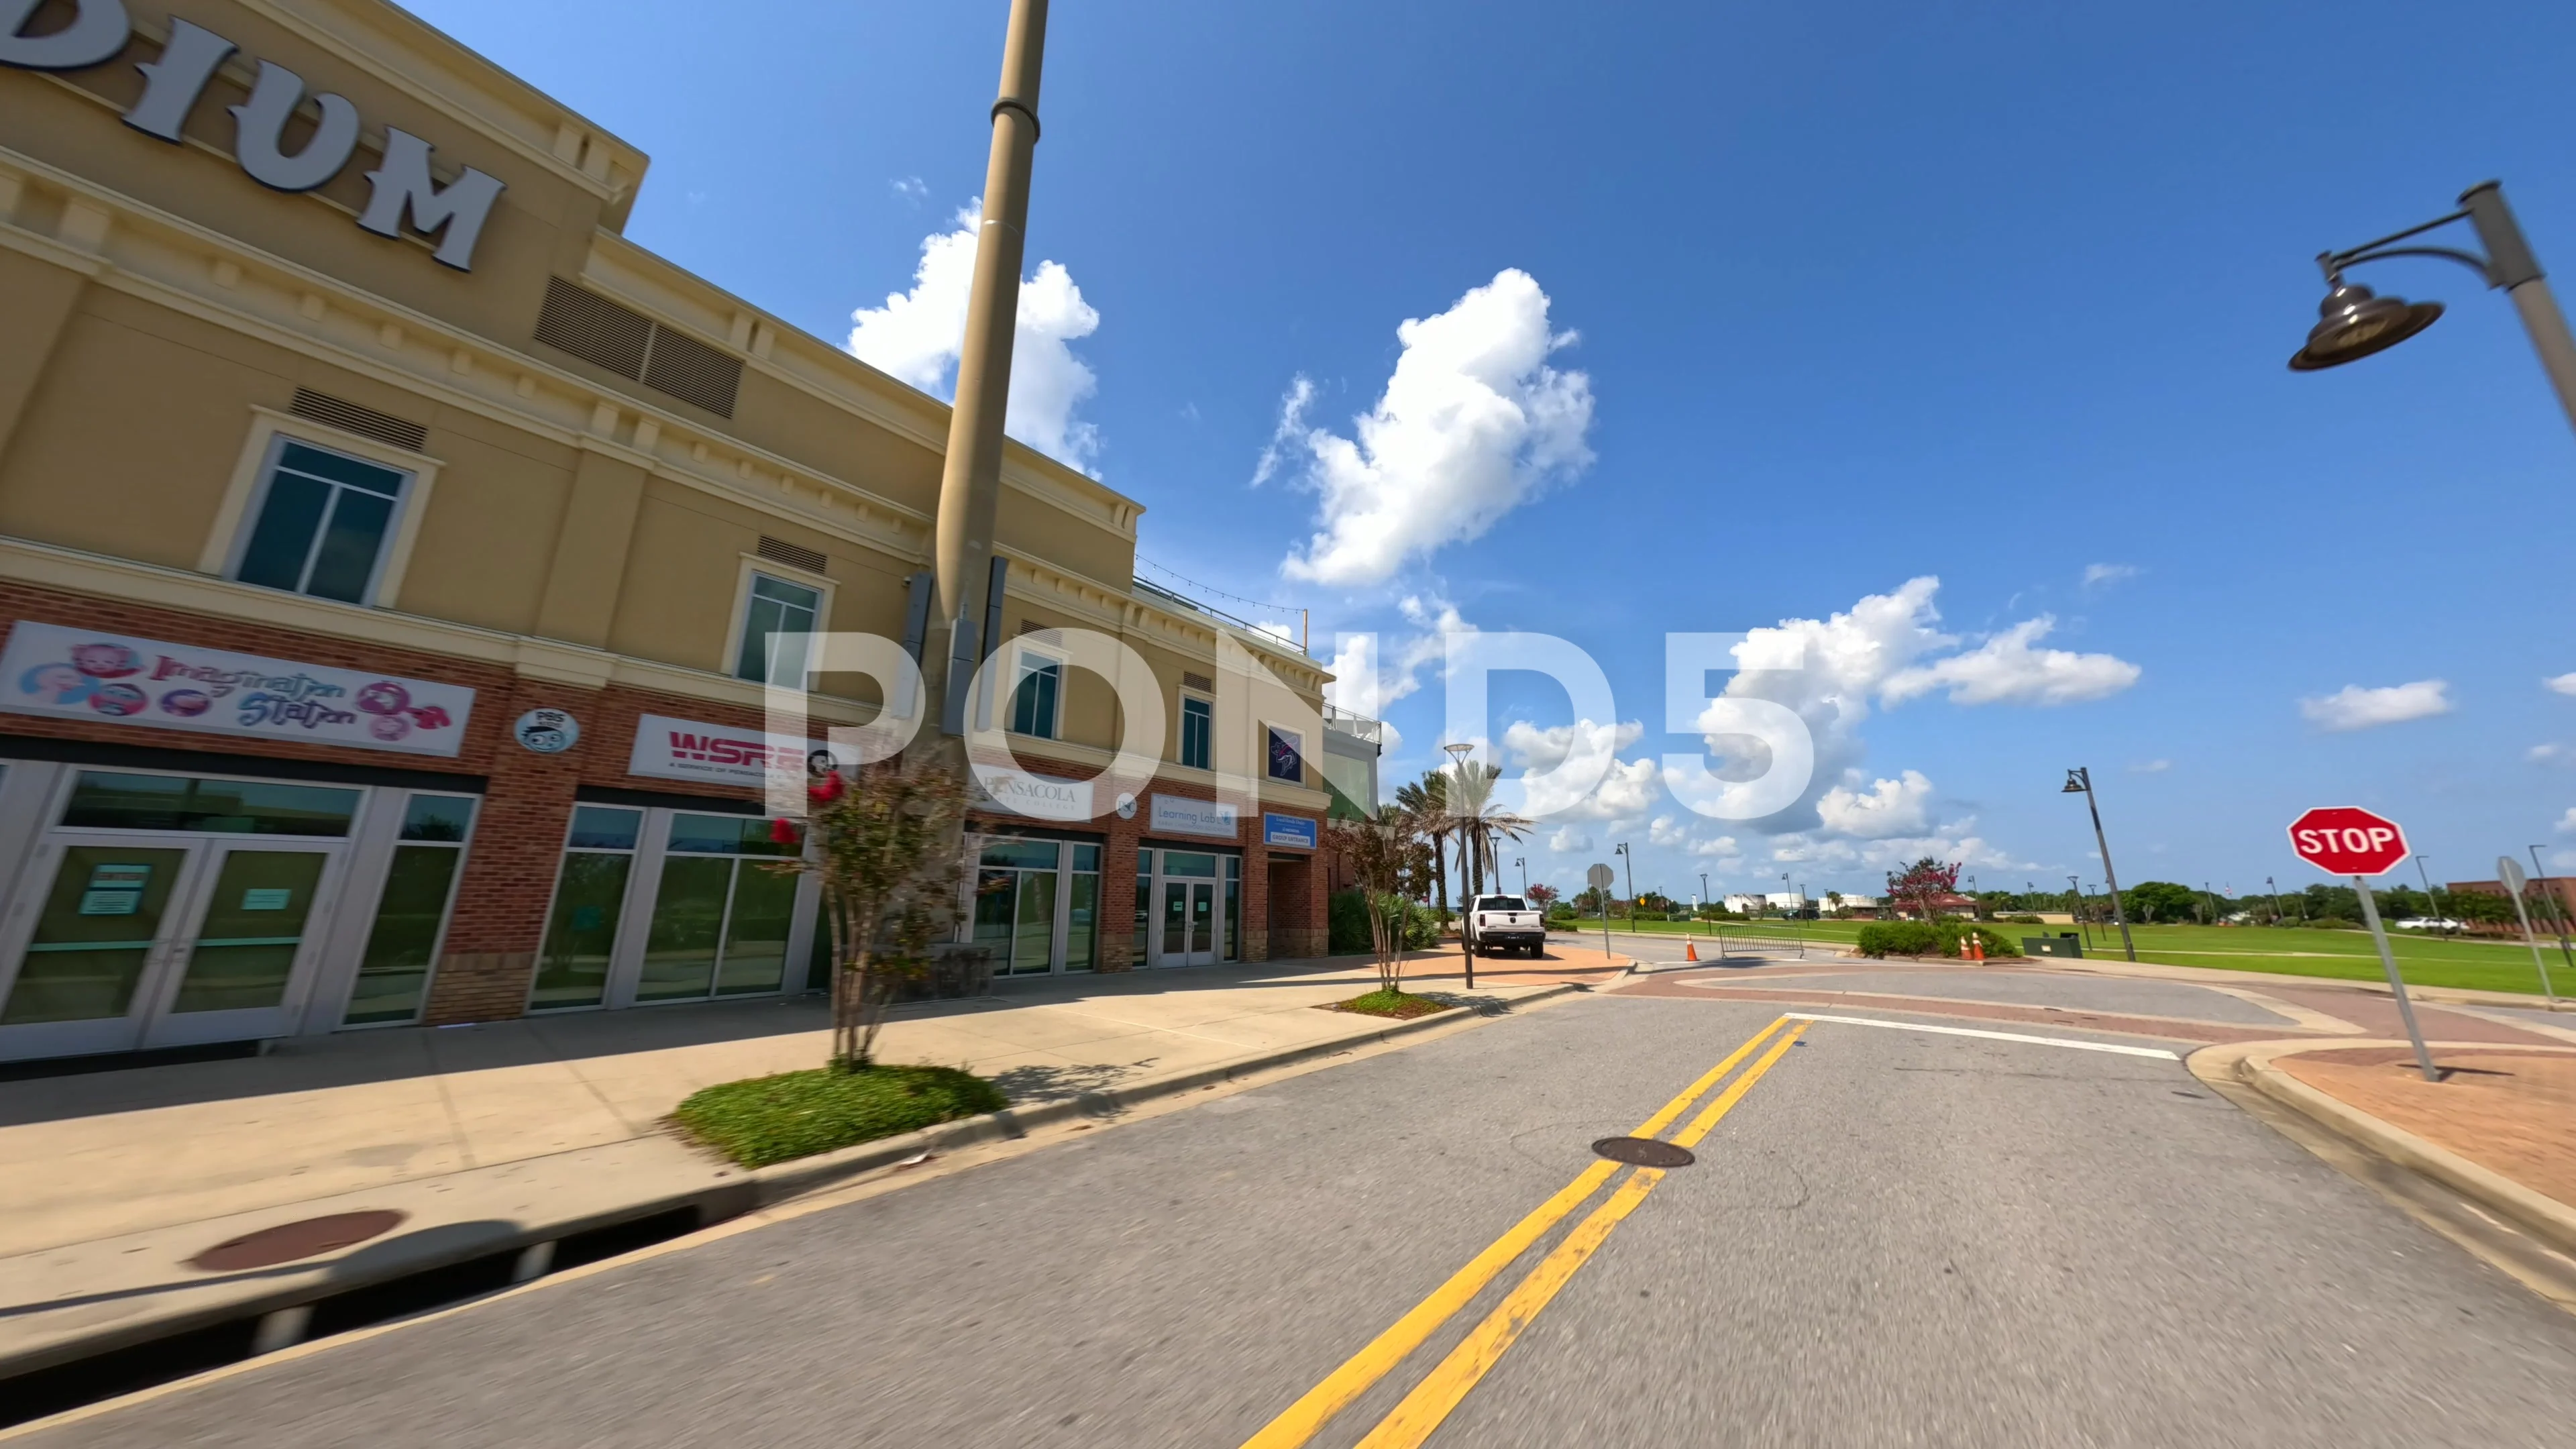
{"points": [[2086, 1046]]}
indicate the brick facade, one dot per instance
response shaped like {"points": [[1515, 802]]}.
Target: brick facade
{"points": [[497, 924]]}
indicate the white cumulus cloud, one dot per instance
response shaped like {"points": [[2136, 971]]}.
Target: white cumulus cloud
{"points": [[1890, 646], [2007, 670], [1288, 439], [2560, 684], [916, 336], [2567, 822], [1887, 809], [1473, 422], [2355, 707], [1568, 840], [2100, 574]]}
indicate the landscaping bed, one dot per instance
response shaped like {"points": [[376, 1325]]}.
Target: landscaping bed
{"points": [[1402, 1005], [765, 1120]]}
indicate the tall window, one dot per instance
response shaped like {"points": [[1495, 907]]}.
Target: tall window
{"points": [[1035, 702], [590, 895], [777, 607], [1198, 732], [402, 948], [322, 523]]}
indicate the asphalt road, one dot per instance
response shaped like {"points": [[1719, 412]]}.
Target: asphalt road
{"points": [[1893, 1238]]}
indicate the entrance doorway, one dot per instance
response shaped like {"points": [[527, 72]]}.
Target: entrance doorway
{"points": [[1192, 906], [1037, 905], [127, 944]]}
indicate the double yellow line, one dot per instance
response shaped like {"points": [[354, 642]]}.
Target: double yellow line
{"points": [[1440, 1391]]}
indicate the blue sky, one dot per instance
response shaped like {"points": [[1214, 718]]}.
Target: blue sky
{"points": [[1858, 293]]}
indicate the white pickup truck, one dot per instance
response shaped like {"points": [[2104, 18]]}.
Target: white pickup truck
{"points": [[1501, 925]]}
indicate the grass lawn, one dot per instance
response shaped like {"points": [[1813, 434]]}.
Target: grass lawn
{"points": [[2424, 960], [797, 1114], [1402, 1005]]}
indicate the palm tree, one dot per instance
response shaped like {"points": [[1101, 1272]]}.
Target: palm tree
{"points": [[1481, 822], [1428, 802]]}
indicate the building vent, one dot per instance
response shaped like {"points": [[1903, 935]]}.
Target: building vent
{"points": [[1033, 626], [634, 346], [692, 371], [366, 422], [1198, 682], [794, 555]]}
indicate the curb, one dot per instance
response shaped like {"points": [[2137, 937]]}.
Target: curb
{"points": [[2252, 1064], [781, 1181], [730, 1193]]}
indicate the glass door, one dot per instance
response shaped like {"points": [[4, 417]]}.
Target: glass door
{"points": [[250, 947], [1186, 929], [84, 951]]}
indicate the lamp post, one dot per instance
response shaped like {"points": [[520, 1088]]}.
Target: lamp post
{"points": [[1523, 862], [1704, 901], [1627, 863], [2557, 908], [2075, 888], [2431, 899], [970, 480], [2079, 781], [2275, 891], [1466, 949], [2353, 323]]}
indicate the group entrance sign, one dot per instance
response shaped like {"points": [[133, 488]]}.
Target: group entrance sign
{"points": [[2348, 840]]}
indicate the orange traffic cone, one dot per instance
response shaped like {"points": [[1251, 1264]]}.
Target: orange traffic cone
{"points": [[1690, 951]]}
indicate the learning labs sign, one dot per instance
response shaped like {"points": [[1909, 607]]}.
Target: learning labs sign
{"points": [[82, 674], [1178, 814], [714, 754]]}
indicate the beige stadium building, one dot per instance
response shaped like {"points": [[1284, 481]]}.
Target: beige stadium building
{"points": [[389, 551]]}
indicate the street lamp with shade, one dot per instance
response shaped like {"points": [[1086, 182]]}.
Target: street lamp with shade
{"points": [[2079, 781], [2353, 322]]}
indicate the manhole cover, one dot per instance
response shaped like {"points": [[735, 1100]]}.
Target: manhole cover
{"points": [[289, 1241], [1643, 1152]]}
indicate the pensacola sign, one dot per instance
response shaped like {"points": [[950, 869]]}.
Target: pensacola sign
{"points": [[81, 674], [1293, 831], [176, 79], [1039, 797], [715, 754]]}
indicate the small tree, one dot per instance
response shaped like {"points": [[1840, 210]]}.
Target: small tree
{"points": [[1390, 860], [1923, 883], [888, 852], [1541, 895]]}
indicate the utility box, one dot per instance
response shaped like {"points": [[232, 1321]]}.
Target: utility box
{"points": [[2065, 943]]}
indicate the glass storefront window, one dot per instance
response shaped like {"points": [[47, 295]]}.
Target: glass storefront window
{"points": [[104, 800], [590, 893], [1233, 908], [603, 827], [402, 947], [721, 913], [1188, 862], [1144, 909]]}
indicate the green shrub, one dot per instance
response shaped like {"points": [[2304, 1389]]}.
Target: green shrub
{"points": [[1346, 924], [796, 1114], [1928, 938]]}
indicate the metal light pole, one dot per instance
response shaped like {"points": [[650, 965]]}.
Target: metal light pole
{"points": [[2354, 323], [2079, 781], [1466, 950], [1704, 901], [1523, 862], [2509, 875], [1627, 863], [970, 479], [2435, 901], [2075, 887], [2557, 908], [2275, 890]]}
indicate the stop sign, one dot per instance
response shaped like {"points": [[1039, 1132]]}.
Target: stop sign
{"points": [[2348, 840]]}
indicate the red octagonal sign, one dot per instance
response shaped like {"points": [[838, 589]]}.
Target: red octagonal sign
{"points": [[2348, 840]]}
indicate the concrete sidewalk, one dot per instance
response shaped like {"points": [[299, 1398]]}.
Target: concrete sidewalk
{"points": [[508, 1137]]}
